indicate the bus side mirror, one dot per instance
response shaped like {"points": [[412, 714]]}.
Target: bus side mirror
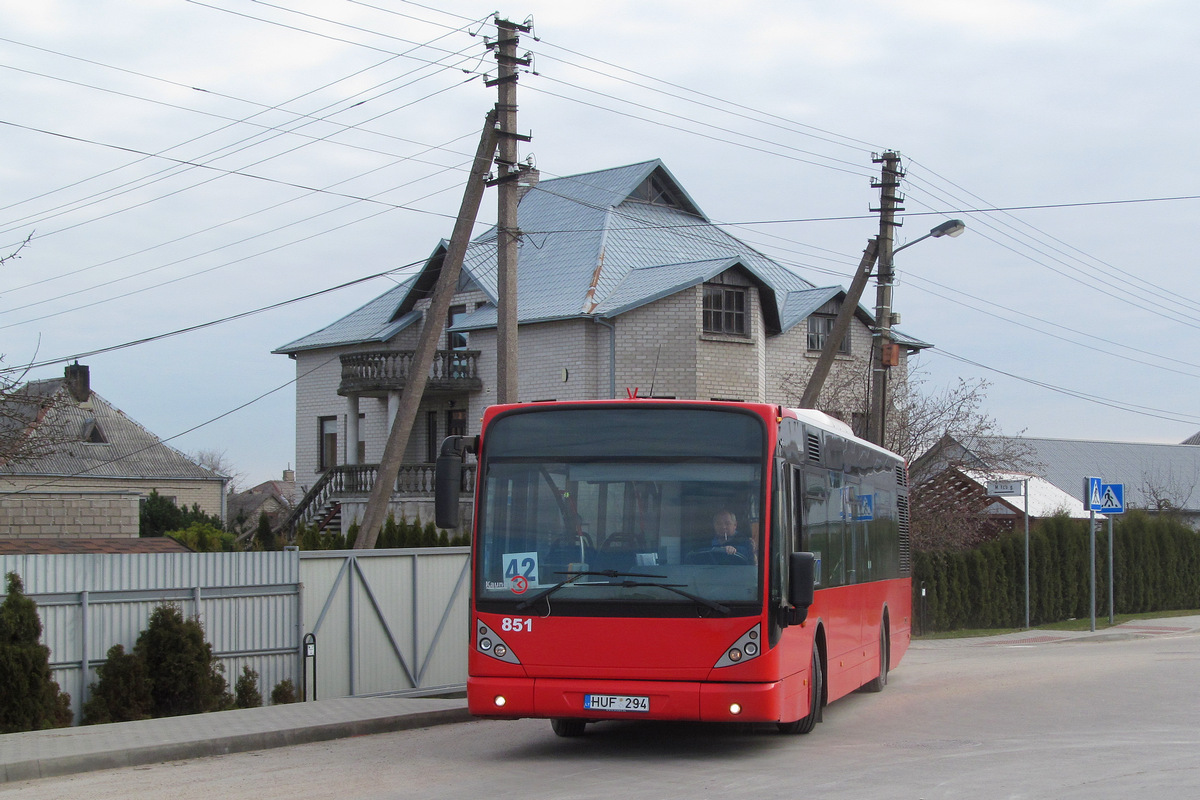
{"points": [[447, 479], [801, 584]]}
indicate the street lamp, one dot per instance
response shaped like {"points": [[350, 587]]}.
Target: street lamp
{"points": [[951, 227], [882, 353]]}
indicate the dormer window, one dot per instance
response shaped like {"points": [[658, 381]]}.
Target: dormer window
{"points": [[92, 433], [725, 310], [657, 192], [820, 326]]}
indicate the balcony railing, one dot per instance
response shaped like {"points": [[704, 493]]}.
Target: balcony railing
{"points": [[357, 480], [389, 371]]}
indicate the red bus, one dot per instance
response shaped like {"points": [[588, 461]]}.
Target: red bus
{"points": [[678, 560]]}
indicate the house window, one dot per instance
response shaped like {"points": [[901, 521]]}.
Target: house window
{"points": [[819, 328], [456, 422], [327, 444], [362, 438], [431, 436], [455, 341], [725, 310]]}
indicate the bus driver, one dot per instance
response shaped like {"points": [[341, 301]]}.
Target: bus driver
{"points": [[727, 539]]}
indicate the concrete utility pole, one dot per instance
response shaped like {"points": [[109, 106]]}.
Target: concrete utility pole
{"points": [[840, 326], [431, 332], [882, 352], [507, 233]]}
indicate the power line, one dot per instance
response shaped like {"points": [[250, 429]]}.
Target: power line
{"points": [[1146, 411], [210, 323]]}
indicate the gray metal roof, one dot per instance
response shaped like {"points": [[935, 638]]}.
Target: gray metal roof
{"points": [[592, 245], [374, 322], [1168, 470], [128, 451]]}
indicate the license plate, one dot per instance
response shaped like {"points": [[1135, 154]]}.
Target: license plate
{"points": [[615, 702]]}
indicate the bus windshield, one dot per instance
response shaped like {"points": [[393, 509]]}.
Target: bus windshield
{"points": [[631, 511]]}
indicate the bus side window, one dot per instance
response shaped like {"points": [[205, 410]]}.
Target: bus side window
{"points": [[824, 526]]}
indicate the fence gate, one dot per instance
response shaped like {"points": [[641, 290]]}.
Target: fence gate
{"points": [[385, 621]]}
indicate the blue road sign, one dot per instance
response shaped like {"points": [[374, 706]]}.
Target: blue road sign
{"points": [[1106, 498], [864, 510], [1112, 498]]}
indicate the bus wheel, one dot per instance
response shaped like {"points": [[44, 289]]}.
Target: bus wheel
{"points": [[877, 683], [567, 727], [815, 683]]}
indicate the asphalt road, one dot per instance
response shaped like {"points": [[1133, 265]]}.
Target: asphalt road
{"points": [[1096, 718]]}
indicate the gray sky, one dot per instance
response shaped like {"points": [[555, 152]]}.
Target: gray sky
{"points": [[334, 137]]}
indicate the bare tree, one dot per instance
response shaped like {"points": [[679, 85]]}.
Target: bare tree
{"points": [[218, 461], [1167, 491]]}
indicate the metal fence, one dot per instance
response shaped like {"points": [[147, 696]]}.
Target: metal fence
{"points": [[383, 621], [386, 621]]}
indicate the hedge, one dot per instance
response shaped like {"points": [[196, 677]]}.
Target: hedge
{"points": [[1156, 566]]}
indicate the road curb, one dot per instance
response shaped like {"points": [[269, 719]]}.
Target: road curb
{"points": [[56, 766]]}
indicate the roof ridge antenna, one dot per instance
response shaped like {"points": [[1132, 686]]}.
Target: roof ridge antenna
{"points": [[589, 298], [654, 372]]}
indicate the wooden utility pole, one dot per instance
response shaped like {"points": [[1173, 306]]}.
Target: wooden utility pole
{"points": [[881, 351], [431, 332], [507, 233], [841, 325]]}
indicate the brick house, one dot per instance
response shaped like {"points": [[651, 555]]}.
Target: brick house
{"points": [[84, 466], [623, 285]]}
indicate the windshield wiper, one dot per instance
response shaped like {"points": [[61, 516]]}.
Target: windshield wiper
{"points": [[674, 587], [607, 573], [627, 584]]}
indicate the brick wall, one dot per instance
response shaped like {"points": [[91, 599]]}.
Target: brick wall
{"points": [[99, 515]]}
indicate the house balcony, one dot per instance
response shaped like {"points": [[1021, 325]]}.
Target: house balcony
{"points": [[352, 484], [376, 373]]}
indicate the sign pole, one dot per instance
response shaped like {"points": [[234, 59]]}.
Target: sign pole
{"points": [[1027, 554], [1092, 584], [1111, 608]]}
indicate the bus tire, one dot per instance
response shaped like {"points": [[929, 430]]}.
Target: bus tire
{"points": [[877, 683], [815, 690], [568, 726]]}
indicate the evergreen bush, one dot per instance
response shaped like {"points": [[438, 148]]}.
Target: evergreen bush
{"points": [[246, 694], [30, 699], [185, 677], [122, 691], [284, 692]]}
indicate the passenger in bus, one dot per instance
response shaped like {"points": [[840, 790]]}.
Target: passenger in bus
{"points": [[727, 539]]}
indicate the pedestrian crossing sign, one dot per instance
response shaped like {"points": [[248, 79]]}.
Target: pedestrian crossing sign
{"points": [[1106, 498]]}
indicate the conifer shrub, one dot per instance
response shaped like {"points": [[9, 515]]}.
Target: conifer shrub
{"points": [[185, 677], [30, 699], [245, 690], [283, 693], [264, 537], [121, 692]]}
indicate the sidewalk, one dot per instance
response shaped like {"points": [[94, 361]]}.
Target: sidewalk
{"points": [[64, 751]]}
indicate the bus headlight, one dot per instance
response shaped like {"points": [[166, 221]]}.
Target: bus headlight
{"points": [[488, 643], [745, 648]]}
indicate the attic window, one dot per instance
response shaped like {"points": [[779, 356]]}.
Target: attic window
{"points": [[725, 310], [655, 191], [92, 433], [820, 326]]}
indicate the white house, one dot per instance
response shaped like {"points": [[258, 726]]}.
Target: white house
{"points": [[624, 285]]}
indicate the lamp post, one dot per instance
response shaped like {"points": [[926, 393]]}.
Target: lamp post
{"points": [[882, 353]]}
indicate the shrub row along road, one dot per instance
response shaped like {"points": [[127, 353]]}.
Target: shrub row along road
{"points": [[1108, 717]]}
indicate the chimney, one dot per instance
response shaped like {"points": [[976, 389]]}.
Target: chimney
{"points": [[289, 475], [528, 180], [79, 381]]}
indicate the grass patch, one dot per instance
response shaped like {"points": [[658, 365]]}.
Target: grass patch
{"points": [[1064, 625]]}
